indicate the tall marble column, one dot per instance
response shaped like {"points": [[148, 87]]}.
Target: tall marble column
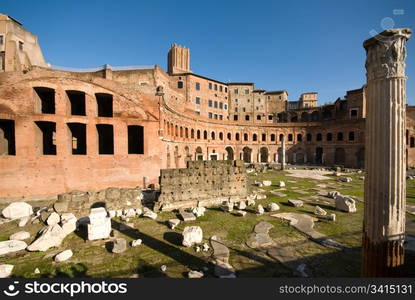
{"points": [[385, 185], [283, 154]]}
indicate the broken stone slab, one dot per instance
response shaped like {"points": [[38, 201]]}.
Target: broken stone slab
{"points": [[6, 270], [17, 210], [192, 235], [227, 206], [186, 216], [20, 236], [295, 203], [345, 179], [23, 221], [319, 211], [119, 245], [224, 270], [250, 202], [173, 223], [53, 219], [267, 183], [205, 247], [195, 274], [163, 268], [130, 212], [97, 213], [138, 211], [346, 204], [63, 256], [333, 194], [259, 209], [258, 240], [136, 243], [240, 213], [150, 214], [199, 211], [49, 237], [261, 196], [273, 207], [68, 222], [241, 205], [11, 246], [281, 184]]}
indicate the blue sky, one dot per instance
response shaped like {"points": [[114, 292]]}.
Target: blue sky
{"points": [[298, 46]]}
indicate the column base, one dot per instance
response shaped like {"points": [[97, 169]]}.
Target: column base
{"points": [[384, 259]]}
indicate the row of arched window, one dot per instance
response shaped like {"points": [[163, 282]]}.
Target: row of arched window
{"points": [[184, 132]]}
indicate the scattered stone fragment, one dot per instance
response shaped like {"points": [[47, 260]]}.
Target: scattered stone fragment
{"points": [[119, 245], [259, 209], [6, 270], [205, 247], [333, 194], [195, 274], [221, 259], [11, 246], [281, 184], [36, 271], [63, 256], [227, 206], [240, 213], [266, 183], [20, 236], [173, 223], [362, 177], [130, 212], [99, 226], [300, 271], [17, 210], [118, 213], [23, 221], [250, 202], [112, 213], [197, 249], [138, 211], [273, 207], [53, 219], [277, 193], [346, 179], [192, 235], [186, 216], [295, 203], [319, 211], [241, 205], [346, 204], [136, 243], [163, 268], [150, 214], [199, 211], [51, 236], [260, 237], [261, 196], [257, 183], [68, 222]]}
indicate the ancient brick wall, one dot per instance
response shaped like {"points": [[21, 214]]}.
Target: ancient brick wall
{"points": [[202, 183]]}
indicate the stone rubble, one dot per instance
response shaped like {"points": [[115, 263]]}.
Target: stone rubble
{"points": [[63, 256], [23, 221], [20, 236], [49, 237], [150, 214], [319, 211], [199, 211], [6, 270], [266, 183], [119, 245], [195, 274], [295, 203], [346, 204], [53, 219], [11, 246], [192, 235], [240, 213], [273, 207], [99, 226], [259, 209], [186, 216], [136, 243], [173, 223], [17, 210]]}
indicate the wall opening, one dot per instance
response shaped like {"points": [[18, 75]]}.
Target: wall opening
{"points": [[105, 139], [135, 139], [7, 137], [45, 100], [247, 154], [77, 140], [264, 155], [230, 155], [412, 142], [299, 137], [104, 104], [77, 102], [46, 137], [339, 156]]}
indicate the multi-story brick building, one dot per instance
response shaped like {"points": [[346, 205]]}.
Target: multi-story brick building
{"points": [[69, 129]]}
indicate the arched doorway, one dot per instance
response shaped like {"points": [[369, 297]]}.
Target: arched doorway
{"points": [[199, 154], [247, 154], [319, 155], [230, 155], [360, 158], [299, 157], [263, 155], [339, 156]]}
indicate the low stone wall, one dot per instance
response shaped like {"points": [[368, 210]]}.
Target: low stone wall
{"points": [[202, 183], [80, 203]]}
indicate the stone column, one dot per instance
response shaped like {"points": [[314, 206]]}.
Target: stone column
{"points": [[384, 215], [283, 154]]}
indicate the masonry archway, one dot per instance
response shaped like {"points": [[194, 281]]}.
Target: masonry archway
{"points": [[263, 155], [247, 154], [199, 154], [229, 153], [319, 155], [339, 156]]}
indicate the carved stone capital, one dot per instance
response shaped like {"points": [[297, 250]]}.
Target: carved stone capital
{"points": [[386, 53]]}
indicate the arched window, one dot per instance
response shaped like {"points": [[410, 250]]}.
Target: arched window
{"points": [[198, 134], [180, 84], [329, 137], [290, 137], [205, 135], [308, 137], [245, 136], [351, 136], [247, 118], [412, 142], [212, 134], [340, 136], [264, 137], [254, 137], [176, 130], [299, 137], [186, 133], [229, 136], [281, 137], [221, 136], [192, 133], [237, 136], [272, 137], [318, 137], [181, 131]]}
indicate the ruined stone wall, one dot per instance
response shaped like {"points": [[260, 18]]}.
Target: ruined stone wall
{"points": [[202, 183]]}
